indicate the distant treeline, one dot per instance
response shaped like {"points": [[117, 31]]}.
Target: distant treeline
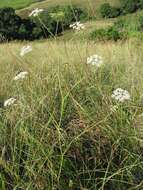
{"points": [[49, 23], [127, 6]]}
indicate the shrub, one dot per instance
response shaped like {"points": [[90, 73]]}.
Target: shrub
{"points": [[81, 14], [120, 23], [115, 12], [67, 14], [141, 4], [63, 14], [129, 6], [105, 10], [110, 33], [98, 34], [9, 23], [113, 34], [51, 22], [109, 12], [129, 24], [26, 30], [140, 19], [54, 20], [47, 24], [13, 27]]}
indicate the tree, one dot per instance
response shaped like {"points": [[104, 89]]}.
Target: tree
{"points": [[13, 27], [26, 30], [9, 23], [141, 4], [129, 6], [108, 11], [49, 23]]}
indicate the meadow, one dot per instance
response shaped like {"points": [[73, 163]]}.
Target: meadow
{"points": [[65, 131], [75, 119]]}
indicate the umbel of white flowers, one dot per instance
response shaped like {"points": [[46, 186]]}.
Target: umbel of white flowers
{"points": [[36, 12], [95, 60], [9, 102], [77, 26], [25, 50], [21, 75], [121, 95]]}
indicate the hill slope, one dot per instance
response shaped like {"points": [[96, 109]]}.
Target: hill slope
{"points": [[45, 3], [26, 5], [91, 5], [17, 4]]}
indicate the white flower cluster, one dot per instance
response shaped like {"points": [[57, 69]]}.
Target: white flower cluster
{"points": [[77, 26], [95, 60], [9, 102], [21, 76], [121, 95], [25, 50], [36, 12]]}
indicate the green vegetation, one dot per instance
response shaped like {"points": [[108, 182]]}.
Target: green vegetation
{"points": [[111, 33], [17, 3], [126, 6], [107, 11], [130, 6], [125, 27], [92, 6], [65, 131], [49, 23]]}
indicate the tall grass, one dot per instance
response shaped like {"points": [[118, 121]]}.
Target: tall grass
{"points": [[65, 131]]}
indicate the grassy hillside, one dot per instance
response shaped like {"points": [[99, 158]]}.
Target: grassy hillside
{"points": [[91, 5], [90, 26], [45, 3], [132, 27], [65, 131], [17, 4]]}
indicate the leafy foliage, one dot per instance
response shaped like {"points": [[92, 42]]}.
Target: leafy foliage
{"points": [[129, 6], [51, 22], [110, 33], [109, 12], [9, 23]]}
